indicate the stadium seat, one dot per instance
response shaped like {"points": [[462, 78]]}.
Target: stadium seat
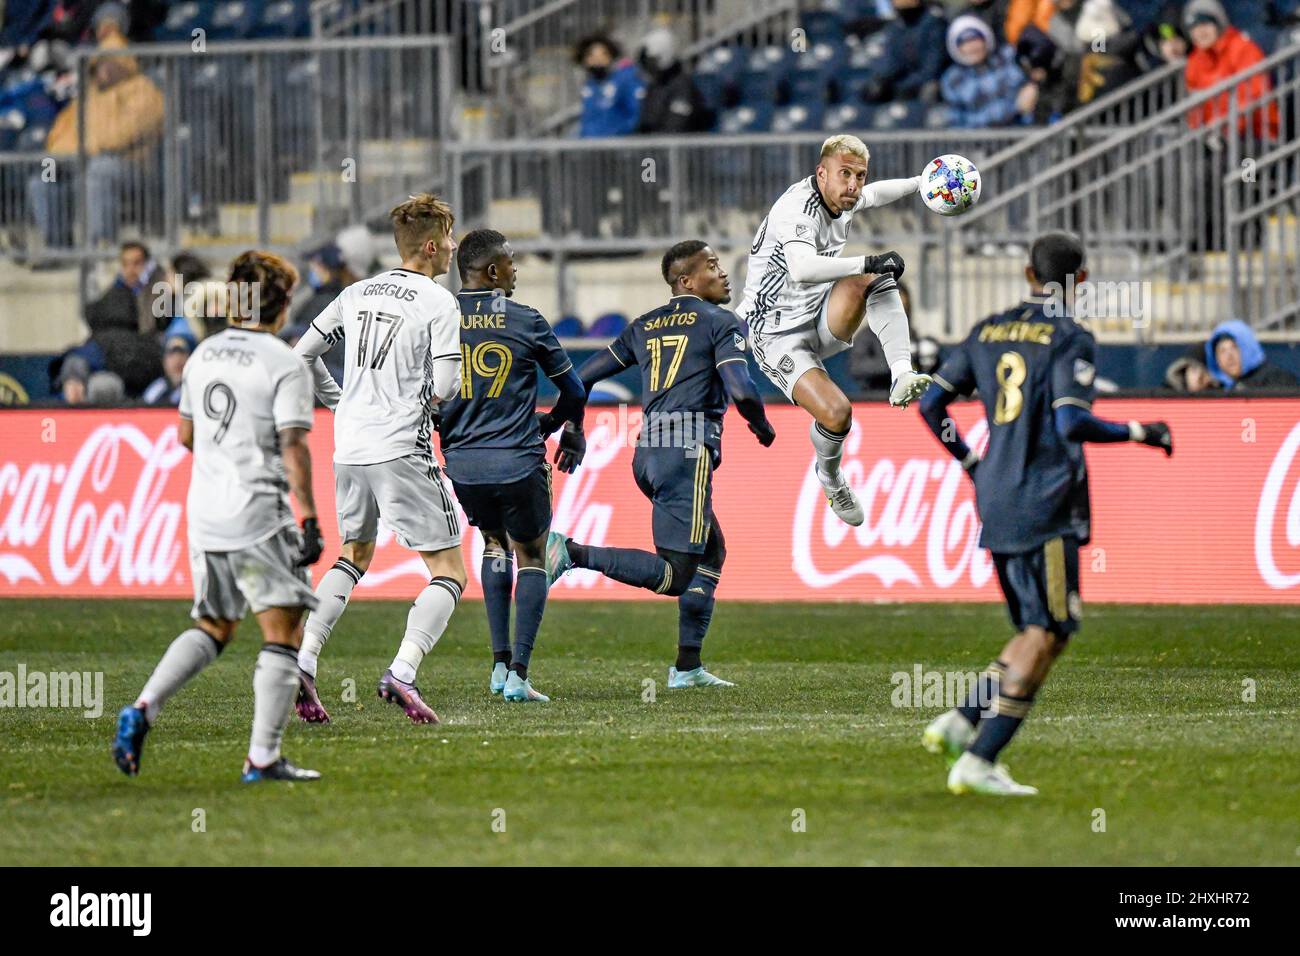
{"points": [[284, 18], [798, 117], [903, 114], [182, 20], [746, 119], [725, 61], [850, 82], [608, 325], [848, 116], [31, 139], [713, 88], [235, 20], [758, 89], [772, 60], [822, 26], [808, 87], [569, 327]]}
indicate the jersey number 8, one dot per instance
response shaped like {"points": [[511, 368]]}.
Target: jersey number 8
{"points": [[1011, 375]]}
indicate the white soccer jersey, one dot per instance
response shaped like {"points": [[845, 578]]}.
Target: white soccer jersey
{"points": [[774, 304], [394, 327], [240, 389]]}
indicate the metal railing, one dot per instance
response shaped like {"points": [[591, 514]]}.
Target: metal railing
{"points": [[266, 143], [1194, 212]]}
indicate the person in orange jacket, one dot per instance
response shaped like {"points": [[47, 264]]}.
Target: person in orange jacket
{"points": [[1220, 51], [123, 120]]}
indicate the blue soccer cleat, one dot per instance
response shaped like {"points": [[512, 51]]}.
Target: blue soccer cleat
{"points": [[280, 770], [557, 557], [132, 725], [698, 677], [520, 691], [500, 674]]}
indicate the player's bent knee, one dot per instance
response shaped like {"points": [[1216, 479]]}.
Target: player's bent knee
{"points": [[359, 554], [683, 567]]}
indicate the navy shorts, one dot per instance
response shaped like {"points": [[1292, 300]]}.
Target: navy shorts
{"points": [[679, 484], [1042, 586], [522, 509]]}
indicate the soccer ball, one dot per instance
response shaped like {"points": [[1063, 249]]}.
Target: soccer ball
{"points": [[950, 185]]}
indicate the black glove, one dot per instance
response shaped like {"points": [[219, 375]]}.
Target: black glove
{"points": [[573, 446], [764, 432], [546, 424], [312, 543], [891, 262], [1158, 435]]}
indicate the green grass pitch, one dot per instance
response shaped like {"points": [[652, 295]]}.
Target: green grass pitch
{"points": [[1144, 720]]}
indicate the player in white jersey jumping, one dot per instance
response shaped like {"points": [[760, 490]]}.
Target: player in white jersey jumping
{"points": [[804, 302], [402, 335], [245, 412]]}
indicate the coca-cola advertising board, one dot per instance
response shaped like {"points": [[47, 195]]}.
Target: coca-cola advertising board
{"points": [[92, 504]]}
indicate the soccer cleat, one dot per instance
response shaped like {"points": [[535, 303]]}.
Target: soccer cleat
{"points": [[972, 774], [408, 697], [557, 557], [907, 388], [280, 770], [497, 682], [520, 691], [698, 677], [308, 704], [843, 501], [132, 725], [948, 734]]}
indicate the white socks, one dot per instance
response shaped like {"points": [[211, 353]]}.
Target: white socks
{"points": [[332, 594], [888, 321], [829, 446], [275, 684], [424, 625], [192, 651]]}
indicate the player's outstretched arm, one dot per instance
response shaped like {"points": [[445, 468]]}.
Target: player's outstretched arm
{"points": [[744, 394], [934, 409], [1078, 424], [311, 347], [297, 468], [446, 376], [598, 368], [884, 191]]}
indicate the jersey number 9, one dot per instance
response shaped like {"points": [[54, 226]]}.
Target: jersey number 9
{"points": [[489, 360]]}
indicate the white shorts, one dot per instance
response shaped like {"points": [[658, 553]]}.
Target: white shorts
{"points": [[409, 493], [228, 583], [785, 356]]}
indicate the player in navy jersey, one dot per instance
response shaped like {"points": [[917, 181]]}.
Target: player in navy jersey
{"points": [[1033, 367], [692, 358], [494, 446]]}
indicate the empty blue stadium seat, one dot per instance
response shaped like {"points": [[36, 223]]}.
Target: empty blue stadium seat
{"points": [[903, 114], [183, 19], [284, 18], [31, 138], [608, 325], [235, 19], [745, 119], [807, 87], [848, 116], [569, 327], [713, 88], [758, 89], [798, 118], [773, 60], [725, 61], [822, 26]]}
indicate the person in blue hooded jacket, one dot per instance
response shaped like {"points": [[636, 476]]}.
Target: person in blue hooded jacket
{"points": [[1235, 357], [611, 97]]}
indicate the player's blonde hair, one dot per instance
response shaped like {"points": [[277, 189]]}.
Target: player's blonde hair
{"points": [[419, 219], [845, 143], [262, 282]]}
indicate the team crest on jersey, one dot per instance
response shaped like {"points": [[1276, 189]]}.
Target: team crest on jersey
{"points": [[802, 230], [786, 364], [1084, 372], [739, 340]]}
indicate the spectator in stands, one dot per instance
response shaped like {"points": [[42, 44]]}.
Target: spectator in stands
{"points": [[1189, 373], [1161, 41], [913, 58], [123, 117], [1088, 39], [1235, 357], [328, 275], [984, 86], [672, 103], [1220, 51], [994, 15], [611, 96], [178, 345], [124, 305]]}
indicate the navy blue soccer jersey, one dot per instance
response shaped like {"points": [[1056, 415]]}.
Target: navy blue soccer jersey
{"points": [[489, 430], [1032, 484], [679, 347]]}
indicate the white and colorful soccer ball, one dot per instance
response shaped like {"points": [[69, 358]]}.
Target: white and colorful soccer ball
{"points": [[950, 185]]}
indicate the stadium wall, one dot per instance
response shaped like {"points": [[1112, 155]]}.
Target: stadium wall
{"points": [[92, 504]]}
